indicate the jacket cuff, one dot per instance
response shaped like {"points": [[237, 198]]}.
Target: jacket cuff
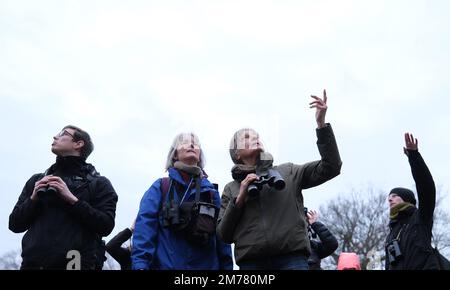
{"points": [[324, 133], [413, 154], [316, 226]]}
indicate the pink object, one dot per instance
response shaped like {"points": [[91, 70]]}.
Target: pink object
{"points": [[348, 261]]}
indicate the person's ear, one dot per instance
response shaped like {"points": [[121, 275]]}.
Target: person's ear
{"points": [[238, 156], [79, 144]]}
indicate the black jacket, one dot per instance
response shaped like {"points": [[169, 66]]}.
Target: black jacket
{"points": [[321, 248], [54, 227], [415, 223], [120, 254]]}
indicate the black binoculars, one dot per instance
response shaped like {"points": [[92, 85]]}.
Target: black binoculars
{"points": [[46, 190], [171, 215], [394, 254], [270, 177]]}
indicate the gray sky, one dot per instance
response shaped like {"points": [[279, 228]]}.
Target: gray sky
{"points": [[136, 73]]}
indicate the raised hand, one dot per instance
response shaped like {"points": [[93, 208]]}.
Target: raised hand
{"points": [[411, 143], [312, 216], [321, 108]]}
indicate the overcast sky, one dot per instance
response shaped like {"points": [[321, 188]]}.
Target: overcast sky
{"points": [[135, 73]]}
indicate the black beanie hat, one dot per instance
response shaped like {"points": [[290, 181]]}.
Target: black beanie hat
{"points": [[406, 194]]}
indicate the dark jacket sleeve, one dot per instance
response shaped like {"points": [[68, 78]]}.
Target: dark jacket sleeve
{"points": [[98, 214], [328, 243], [229, 216], [317, 172], [25, 210], [223, 250], [114, 247], [426, 190]]}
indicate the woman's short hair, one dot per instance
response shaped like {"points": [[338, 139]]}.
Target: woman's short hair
{"points": [[179, 139]]}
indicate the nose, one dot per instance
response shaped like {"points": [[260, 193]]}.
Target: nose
{"points": [[55, 138]]}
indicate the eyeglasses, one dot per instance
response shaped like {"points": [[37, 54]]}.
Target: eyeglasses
{"points": [[65, 133]]}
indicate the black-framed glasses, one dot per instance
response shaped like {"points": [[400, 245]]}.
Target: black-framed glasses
{"points": [[65, 133]]}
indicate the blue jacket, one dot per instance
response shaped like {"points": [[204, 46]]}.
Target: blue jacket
{"points": [[158, 247]]}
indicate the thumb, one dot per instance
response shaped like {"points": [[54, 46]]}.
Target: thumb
{"points": [[405, 151]]}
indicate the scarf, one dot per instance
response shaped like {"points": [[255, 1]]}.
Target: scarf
{"points": [[401, 207], [240, 171], [190, 169]]}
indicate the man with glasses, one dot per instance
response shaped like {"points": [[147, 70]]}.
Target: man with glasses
{"points": [[66, 210]]}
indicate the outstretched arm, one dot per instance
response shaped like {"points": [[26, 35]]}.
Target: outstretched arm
{"points": [[317, 172], [426, 190]]}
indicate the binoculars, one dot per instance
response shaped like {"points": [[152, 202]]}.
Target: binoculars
{"points": [[46, 190], [394, 254], [171, 215], [270, 177]]}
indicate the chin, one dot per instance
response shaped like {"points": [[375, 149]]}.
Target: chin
{"points": [[55, 151]]}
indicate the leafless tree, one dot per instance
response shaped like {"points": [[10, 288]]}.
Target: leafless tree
{"points": [[10, 260], [441, 235]]}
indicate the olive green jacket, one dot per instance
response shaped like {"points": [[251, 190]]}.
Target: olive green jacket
{"points": [[273, 223]]}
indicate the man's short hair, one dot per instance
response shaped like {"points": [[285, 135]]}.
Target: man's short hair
{"points": [[80, 134]]}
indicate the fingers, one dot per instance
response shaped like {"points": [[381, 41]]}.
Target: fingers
{"points": [[39, 186], [318, 104], [317, 99], [324, 99], [40, 182], [55, 179], [411, 143], [408, 139], [250, 178], [54, 185]]}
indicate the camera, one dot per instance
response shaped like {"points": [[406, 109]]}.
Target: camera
{"points": [[171, 215], [271, 177], [46, 190], [394, 254]]}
